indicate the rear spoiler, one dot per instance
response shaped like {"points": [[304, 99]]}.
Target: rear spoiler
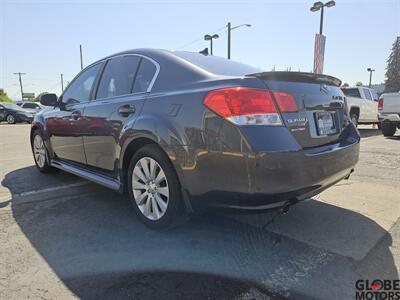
{"points": [[298, 77]]}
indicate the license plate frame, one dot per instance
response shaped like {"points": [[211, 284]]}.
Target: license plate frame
{"points": [[325, 122]]}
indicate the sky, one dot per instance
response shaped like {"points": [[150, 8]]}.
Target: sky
{"points": [[42, 38]]}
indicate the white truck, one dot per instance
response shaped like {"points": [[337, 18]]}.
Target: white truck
{"points": [[363, 105], [389, 113]]}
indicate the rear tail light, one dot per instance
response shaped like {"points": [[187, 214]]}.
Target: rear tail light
{"points": [[286, 101], [380, 104], [244, 106]]}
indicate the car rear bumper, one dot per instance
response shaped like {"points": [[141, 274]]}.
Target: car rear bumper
{"points": [[392, 117], [265, 180]]}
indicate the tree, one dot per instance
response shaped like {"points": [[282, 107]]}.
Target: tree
{"points": [[346, 85], [4, 97], [359, 83], [392, 83]]}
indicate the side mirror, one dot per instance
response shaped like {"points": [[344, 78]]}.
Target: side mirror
{"points": [[48, 100]]}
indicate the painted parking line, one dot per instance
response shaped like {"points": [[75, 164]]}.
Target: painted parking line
{"points": [[52, 189]]}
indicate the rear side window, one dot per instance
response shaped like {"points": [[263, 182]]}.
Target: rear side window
{"points": [[118, 76], [144, 76], [367, 94], [374, 95], [352, 93], [30, 105]]}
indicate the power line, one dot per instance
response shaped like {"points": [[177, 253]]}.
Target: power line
{"points": [[199, 39]]}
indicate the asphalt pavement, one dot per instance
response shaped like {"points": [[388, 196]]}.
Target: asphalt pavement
{"points": [[63, 237]]}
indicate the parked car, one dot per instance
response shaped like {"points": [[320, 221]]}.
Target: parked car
{"points": [[363, 105], [389, 113], [180, 130], [13, 113], [30, 106]]}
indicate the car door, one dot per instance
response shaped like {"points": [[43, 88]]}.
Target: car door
{"points": [[65, 124], [120, 95], [374, 105], [2, 112], [369, 103]]}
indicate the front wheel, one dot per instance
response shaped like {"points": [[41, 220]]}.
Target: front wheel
{"points": [[154, 189], [10, 119], [40, 153], [388, 128], [354, 119]]}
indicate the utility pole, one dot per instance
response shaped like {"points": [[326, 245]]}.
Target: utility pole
{"points": [[20, 84], [80, 50], [62, 83]]}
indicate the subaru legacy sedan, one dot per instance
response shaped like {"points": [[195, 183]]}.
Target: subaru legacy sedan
{"points": [[178, 131]]}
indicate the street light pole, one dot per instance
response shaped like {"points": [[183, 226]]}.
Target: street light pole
{"points": [[319, 48], [62, 82], [320, 6], [229, 40], [370, 76], [230, 28], [80, 52], [210, 38], [321, 21]]}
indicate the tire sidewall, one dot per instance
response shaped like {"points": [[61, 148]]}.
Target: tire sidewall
{"points": [[354, 117], [388, 129], [46, 167], [13, 119], [175, 203]]}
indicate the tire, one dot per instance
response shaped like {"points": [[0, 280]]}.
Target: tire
{"points": [[40, 153], [354, 119], [10, 119], [388, 128], [157, 202]]}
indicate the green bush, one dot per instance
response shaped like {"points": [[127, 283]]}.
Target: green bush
{"points": [[4, 97]]}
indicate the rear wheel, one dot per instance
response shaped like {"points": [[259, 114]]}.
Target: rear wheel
{"points": [[354, 119], [388, 128], [10, 119], [154, 189]]}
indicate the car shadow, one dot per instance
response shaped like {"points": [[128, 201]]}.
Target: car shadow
{"points": [[368, 132], [98, 248]]}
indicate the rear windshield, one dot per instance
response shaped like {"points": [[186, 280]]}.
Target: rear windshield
{"points": [[352, 93], [217, 65]]}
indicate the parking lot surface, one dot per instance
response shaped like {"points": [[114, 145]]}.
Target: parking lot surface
{"points": [[63, 237]]}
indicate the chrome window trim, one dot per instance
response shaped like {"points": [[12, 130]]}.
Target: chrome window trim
{"points": [[155, 63]]}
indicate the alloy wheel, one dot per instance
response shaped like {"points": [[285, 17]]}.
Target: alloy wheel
{"points": [[150, 188], [39, 151], [10, 119]]}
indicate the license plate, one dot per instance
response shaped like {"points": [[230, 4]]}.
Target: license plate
{"points": [[325, 123]]}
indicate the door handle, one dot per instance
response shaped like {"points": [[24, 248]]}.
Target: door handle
{"points": [[76, 115], [126, 110]]}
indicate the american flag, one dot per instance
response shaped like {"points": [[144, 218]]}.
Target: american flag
{"points": [[319, 52]]}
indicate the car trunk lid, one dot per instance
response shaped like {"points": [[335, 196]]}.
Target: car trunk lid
{"points": [[320, 118]]}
